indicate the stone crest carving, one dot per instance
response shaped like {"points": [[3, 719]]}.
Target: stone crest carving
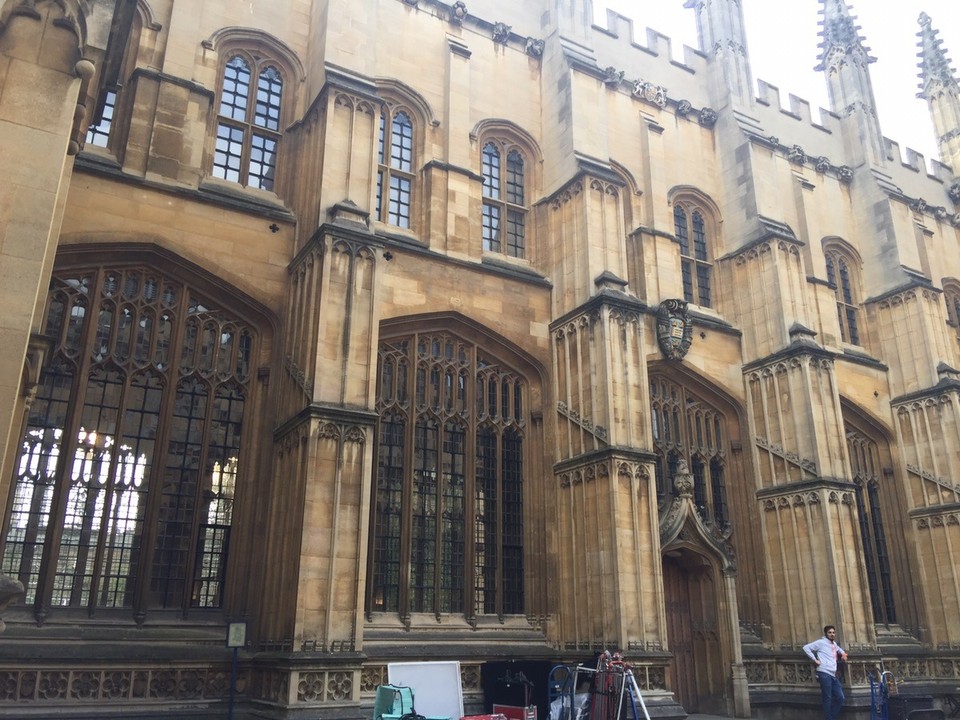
{"points": [[674, 329], [657, 94]]}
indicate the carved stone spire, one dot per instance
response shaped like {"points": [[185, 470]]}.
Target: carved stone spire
{"points": [[939, 87], [845, 59], [722, 37]]}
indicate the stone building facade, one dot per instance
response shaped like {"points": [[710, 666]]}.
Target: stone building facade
{"points": [[402, 330]]}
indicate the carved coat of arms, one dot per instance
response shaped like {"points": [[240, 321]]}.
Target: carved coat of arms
{"points": [[674, 329]]}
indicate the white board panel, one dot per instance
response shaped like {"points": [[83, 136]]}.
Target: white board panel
{"points": [[436, 686]]}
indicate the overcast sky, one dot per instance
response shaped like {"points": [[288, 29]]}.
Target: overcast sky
{"points": [[783, 39]]}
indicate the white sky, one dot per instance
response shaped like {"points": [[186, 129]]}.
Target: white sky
{"points": [[783, 41]]}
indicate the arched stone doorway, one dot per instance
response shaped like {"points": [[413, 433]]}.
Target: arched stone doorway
{"points": [[699, 586]]}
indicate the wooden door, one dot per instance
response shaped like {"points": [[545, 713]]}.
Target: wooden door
{"points": [[683, 669]]}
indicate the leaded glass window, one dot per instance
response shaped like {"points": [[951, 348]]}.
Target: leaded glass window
{"points": [[248, 123], [448, 501], [841, 278], [395, 168], [868, 477], [99, 134], [695, 266], [687, 428], [503, 224], [127, 473]]}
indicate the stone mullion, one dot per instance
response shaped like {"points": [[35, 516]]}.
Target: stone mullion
{"points": [[929, 439], [764, 409], [954, 442], [608, 585], [580, 353], [567, 337]]}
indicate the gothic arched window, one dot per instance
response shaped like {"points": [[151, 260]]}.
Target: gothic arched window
{"points": [[395, 177], [125, 482], [690, 227], [249, 121], [687, 428], [448, 502], [504, 205], [868, 477], [843, 276]]}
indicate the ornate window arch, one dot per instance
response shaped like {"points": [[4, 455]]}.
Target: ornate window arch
{"points": [[505, 198], [252, 96], [695, 225], [689, 429], [447, 517], [124, 488], [843, 274], [508, 168]]}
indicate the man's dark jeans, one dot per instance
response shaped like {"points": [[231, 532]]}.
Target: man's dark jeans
{"points": [[832, 694]]}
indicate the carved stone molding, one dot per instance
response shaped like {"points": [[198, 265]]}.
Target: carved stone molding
{"points": [[792, 458], [38, 348]]}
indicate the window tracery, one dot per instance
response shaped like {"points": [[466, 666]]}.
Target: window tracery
{"points": [[868, 477], [125, 482], [687, 428], [448, 506]]}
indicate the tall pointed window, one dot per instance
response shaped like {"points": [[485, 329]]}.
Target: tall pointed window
{"points": [[867, 475], [395, 168], [504, 218], [688, 429], [127, 472], [448, 501], [248, 122], [841, 274], [696, 269]]}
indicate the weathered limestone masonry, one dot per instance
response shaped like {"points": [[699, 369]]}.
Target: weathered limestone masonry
{"points": [[383, 331]]}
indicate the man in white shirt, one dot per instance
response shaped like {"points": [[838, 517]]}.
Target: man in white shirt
{"points": [[827, 654]]}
